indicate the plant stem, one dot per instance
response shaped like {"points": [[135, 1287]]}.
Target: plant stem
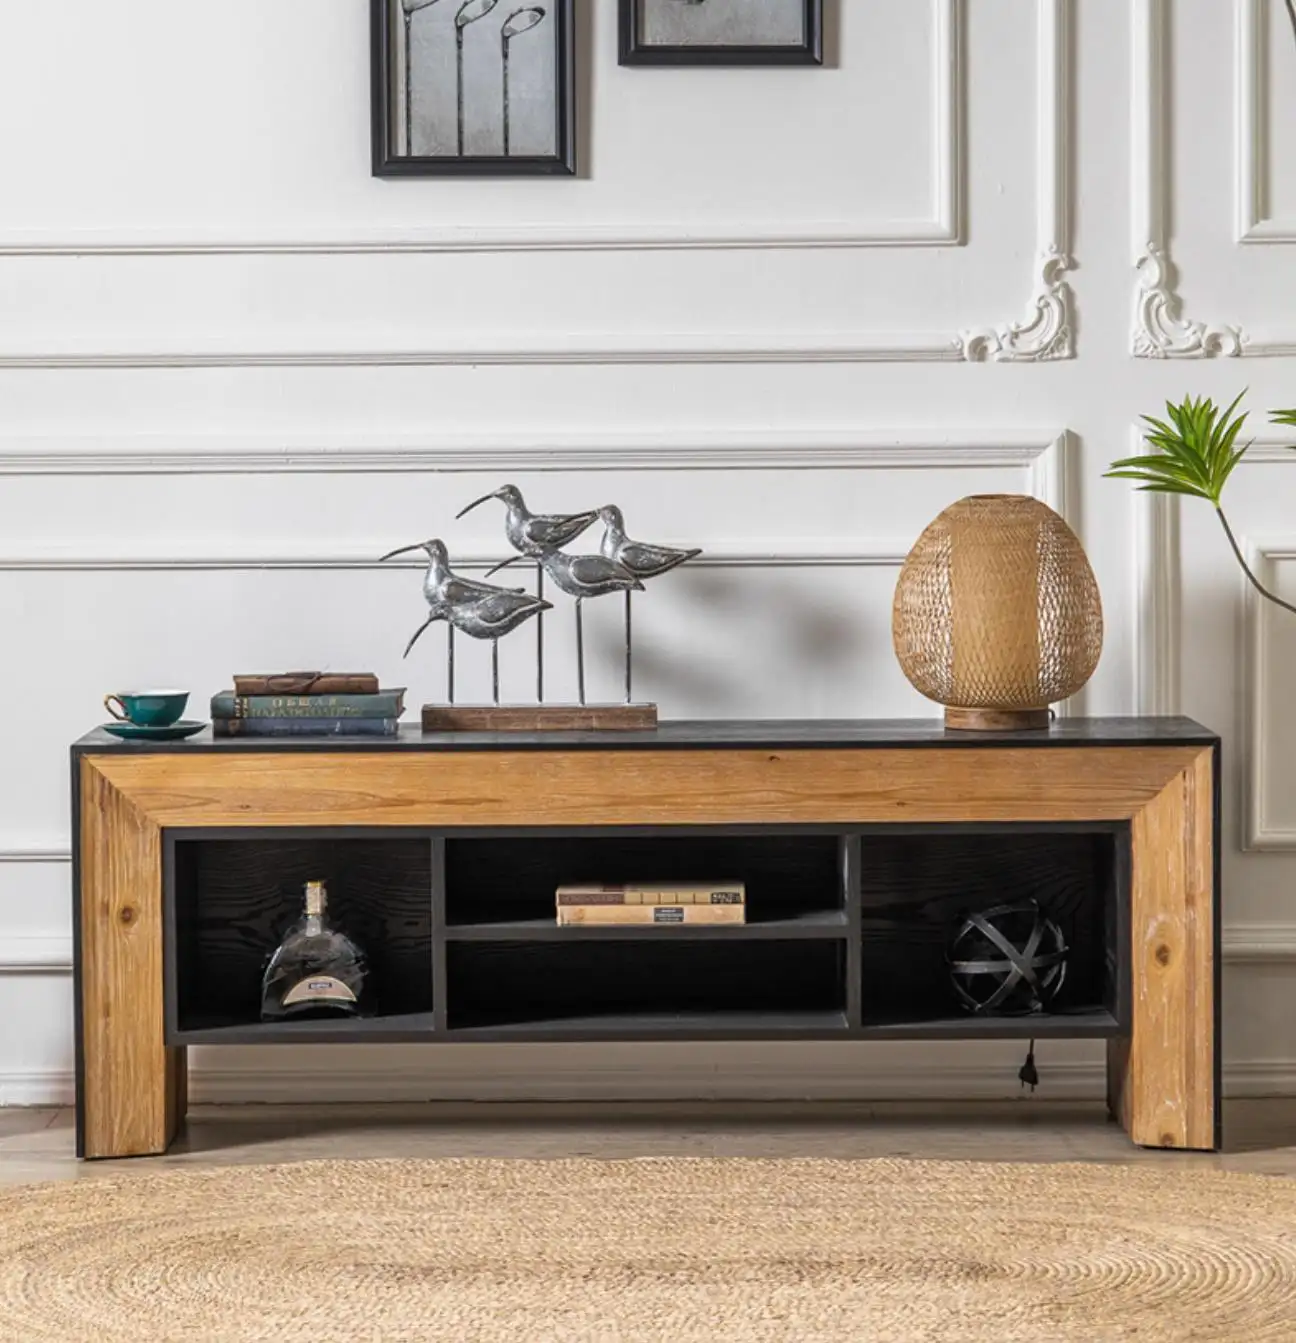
{"points": [[1291, 13], [1246, 569]]}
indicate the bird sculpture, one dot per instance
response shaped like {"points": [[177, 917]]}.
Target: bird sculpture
{"points": [[532, 535], [480, 610], [582, 576], [642, 559]]}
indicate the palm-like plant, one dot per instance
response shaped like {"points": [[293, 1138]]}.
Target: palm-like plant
{"points": [[1195, 454]]}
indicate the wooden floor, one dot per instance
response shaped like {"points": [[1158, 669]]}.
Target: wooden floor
{"points": [[37, 1144]]}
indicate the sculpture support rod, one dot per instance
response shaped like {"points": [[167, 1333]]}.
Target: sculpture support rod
{"points": [[450, 686], [539, 635], [580, 653], [627, 646], [495, 669]]}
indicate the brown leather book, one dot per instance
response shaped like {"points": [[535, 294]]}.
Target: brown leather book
{"points": [[307, 683]]}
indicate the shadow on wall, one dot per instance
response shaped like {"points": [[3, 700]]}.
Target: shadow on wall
{"points": [[771, 627]]}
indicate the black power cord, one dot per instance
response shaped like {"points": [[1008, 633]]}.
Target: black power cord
{"points": [[1028, 1074]]}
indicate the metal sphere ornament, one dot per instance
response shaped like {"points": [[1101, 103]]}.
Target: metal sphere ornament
{"points": [[1008, 960]]}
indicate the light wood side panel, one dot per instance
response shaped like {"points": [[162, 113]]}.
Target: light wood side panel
{"points": [[1164, 1077], [133, 1086], [644, 787]]}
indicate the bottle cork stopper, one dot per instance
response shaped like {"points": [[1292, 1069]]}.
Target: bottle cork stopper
{"points": [[315, 898]]}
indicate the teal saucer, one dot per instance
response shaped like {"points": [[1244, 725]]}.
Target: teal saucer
{"points": [[186, 727]]}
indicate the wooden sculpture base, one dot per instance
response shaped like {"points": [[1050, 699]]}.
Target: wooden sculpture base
{"points": [[996, 720], [539, 717]]}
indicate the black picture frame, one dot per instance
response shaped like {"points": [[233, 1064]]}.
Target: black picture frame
{"points": [[634, 52], [383, 110]]}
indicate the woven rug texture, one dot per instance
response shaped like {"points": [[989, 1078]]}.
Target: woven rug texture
{"points": [[652, 1251]]}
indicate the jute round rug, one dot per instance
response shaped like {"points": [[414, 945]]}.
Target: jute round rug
{"points": [[670, 1250]]}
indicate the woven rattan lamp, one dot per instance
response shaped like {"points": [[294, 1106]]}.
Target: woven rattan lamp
{"points": [[997, 613]]}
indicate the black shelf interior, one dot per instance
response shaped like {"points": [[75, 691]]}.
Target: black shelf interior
{"points": [[542, 984], [917, 888], [513, 879], [462, 943], [235, 898]]}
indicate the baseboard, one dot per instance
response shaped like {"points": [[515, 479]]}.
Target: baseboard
{"points": [[43, 1087], [1059, 1081]]}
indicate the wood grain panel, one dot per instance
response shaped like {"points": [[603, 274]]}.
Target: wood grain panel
{"points": [[644, 787], [1163, 1083], [133, 1086]]}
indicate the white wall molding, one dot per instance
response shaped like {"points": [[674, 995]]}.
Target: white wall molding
{"points": [[1253, 660], [28, 954], [1046, 332], [1252, 163], [1157, 598], [1161, 330], [941, 229], [1157, 585], [34, 854], [1041, 452], [1251, 140]]}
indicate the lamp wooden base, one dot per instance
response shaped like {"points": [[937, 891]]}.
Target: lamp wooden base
{"points": [[996, 720], [539, 717]]}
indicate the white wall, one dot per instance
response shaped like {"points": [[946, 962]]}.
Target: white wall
{"points": [[787, 314]]}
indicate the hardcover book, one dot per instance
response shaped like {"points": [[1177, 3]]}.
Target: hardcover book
{"points": [[653, 893], [380, 704], [306, 683], [610, 915], [304, 727]]}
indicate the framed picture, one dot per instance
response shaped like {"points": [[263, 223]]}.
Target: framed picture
{"points": [[721, 32], [473, 87]]}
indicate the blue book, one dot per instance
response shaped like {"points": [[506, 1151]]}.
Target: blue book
{"points": [[379, 704], [304, 727]]}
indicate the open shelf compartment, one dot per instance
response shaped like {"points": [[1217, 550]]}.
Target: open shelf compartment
{"points": [[230, 900], [651, 989], [503, 887], [917, 888]]}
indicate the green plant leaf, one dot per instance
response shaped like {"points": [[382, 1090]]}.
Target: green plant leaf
{"points": [[1192, 451]]}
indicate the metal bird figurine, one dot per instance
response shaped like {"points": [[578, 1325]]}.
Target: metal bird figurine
{"points": [[480, 610], [641, 558], [534, 535], [582, 576]]}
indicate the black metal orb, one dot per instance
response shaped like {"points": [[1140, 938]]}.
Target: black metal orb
{"points": [[1008, 960]]}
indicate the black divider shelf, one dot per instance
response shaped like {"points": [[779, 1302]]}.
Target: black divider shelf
{"points": [[813, 924]]}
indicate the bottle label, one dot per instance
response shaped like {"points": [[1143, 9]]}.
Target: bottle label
{"points": [[318, 989]]}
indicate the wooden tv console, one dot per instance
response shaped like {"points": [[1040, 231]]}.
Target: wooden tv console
{"points": [[862, 844]]}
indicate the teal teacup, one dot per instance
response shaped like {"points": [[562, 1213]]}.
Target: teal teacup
{"points": [[147, 708]]}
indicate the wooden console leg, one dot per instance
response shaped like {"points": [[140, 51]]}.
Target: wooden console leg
{"points": [[1163, 1081], [130, 1086]]}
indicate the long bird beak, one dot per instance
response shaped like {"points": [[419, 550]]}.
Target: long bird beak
{"points": [[474, 504], [503, 564], [404, 550]]}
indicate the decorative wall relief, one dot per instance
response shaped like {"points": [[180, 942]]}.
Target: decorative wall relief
{"points": [[465, 87]]}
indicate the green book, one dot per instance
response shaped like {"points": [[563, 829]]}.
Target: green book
{"points": [[380, 704]]}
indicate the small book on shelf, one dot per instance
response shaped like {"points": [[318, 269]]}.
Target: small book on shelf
{"points": [[595, 916], [653, 893], [306, 683], [305, 727], [375, 704]]}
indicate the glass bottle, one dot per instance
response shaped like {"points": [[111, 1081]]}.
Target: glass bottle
{"points": [[316, 970]]}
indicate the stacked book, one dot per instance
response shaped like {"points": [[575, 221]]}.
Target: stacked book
{"points": [[307, 704], [655, 902]]}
